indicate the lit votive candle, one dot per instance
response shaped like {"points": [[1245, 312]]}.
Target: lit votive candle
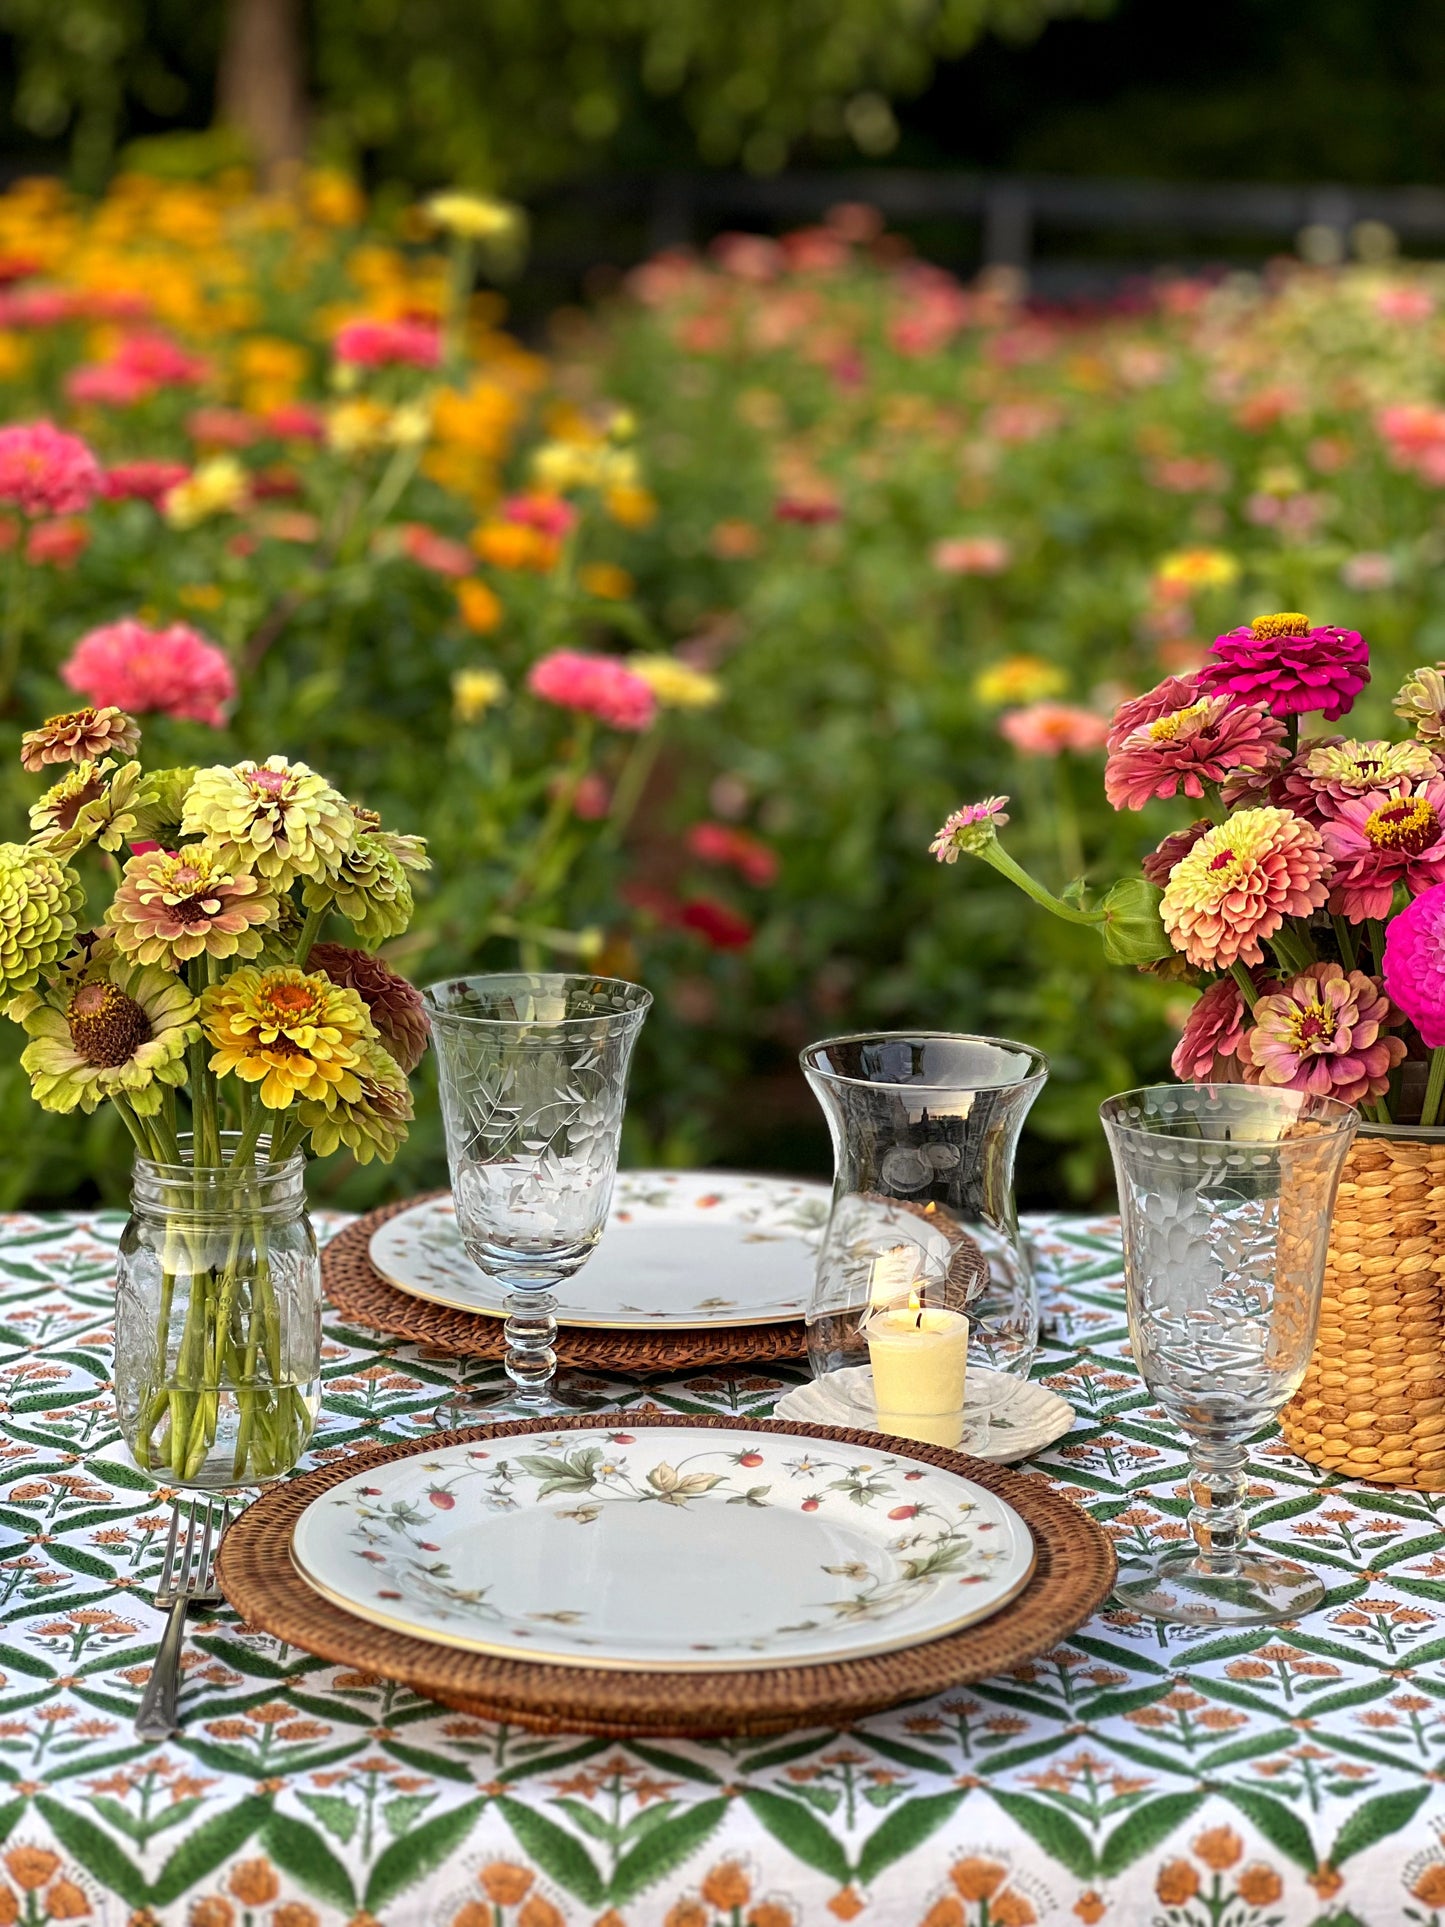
{"points": [[920, 1361]]}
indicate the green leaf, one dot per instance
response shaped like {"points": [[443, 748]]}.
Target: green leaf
{"points": [[904, 1830], [906, 1755], [556, 1852], [417, 1853], [1145, 1827], [1284, 1830], [1376, 1820], [662, 1761], [96, 1851], [663, 1849], [339, 1817], [1055, 1832], [212, 1842], [800, 1831], [435, 1763], [586, 1820], [301, 1852], [402, 1813]]}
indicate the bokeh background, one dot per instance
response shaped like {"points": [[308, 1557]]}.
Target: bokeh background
{"points": [[898, 383]]}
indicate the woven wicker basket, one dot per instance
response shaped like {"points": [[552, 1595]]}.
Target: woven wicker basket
{"points": [[1373, 1401]]}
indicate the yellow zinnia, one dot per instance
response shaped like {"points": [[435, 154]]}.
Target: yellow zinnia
{"points": [[474, 692], [1020, 679], [475, 217], [295, 1035], [675, 684]]}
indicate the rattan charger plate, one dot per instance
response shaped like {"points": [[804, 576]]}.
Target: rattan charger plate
{"points": [[359, 1292], [1073, 1574]]}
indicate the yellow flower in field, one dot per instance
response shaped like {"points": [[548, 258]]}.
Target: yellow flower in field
{"points": [[295, 1035], [474, 692], [1019, 679], [334, 199], [481, 609], [560, 466], [410, 425], [606, 581], [1186, 571], [633, 507], [514, 545], [271, 371], [357, 427], [218, 487], [475, 217], [200, 595], [675, 684], [15, 355]]}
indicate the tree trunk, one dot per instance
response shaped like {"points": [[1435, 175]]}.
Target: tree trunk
{"points": [[261, 88]]}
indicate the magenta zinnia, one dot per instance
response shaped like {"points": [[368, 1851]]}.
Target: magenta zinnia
{"points": [[1415, 964], [1379, 840], [969, 829], [1238, 884], [1186, 749], [1325, 1033], [1290, 664], [176, 904]]}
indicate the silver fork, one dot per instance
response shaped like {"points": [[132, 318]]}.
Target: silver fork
{"points": [[188, 1574]]}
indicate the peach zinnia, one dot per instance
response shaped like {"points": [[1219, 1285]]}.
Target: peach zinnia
{"points": [[1238, 884], [176, 904], [1203, 742]]}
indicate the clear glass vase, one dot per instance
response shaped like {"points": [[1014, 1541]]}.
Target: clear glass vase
{"points": [[218, 1320], [925, 1126]]}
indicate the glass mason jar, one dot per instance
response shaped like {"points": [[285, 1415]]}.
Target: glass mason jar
{"points": [[218, 1320], [924, 1126]]}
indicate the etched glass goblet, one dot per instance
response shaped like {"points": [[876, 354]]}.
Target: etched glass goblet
{"points": [[533, 1083], [1226, 1193]]}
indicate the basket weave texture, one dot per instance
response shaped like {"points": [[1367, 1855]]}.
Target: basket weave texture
{"points": [[1373, 1401], [1073, 1574]]}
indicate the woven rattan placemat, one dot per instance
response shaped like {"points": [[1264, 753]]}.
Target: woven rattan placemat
{"points": [[359, 1292], [1072, 1577]]}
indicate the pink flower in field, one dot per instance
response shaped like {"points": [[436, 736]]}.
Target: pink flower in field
{"points": [[549, 514], [972, 555], [1385, 838], [601, 686], [1175, 692], [1290, 664], [970, 829], [1415, 963], [1324, 1033], [1368, 570], [1240, 881], [1414, 433], [59, 542], [1016, 422], [732, 848], [748, 257], [223, 428], [386, 344], [810, 510], [101, 384], [295, 421], [39, 307], [174, 671], [592, 799], [1212, 1049], [1189, 475], [438, 553], [44, 471], [142, 481], [1405, 303], [1049, 728], [718, 925], [1157, 865], [156, 359], [1187, 749]]}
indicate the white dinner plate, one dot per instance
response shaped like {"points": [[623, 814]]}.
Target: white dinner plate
{"points": [[667, 1548], [682, 1249]]}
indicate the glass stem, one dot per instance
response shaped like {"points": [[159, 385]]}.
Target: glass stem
{"points": [[531, 1334], [1216, 1516]]}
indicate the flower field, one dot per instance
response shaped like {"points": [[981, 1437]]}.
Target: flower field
{"points": [[678, 642]]}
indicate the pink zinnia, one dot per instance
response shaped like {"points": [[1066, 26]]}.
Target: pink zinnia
{"points": [[159, 361], [1048, 728], [59, 542], [142, 481], [1186, 749], [601, 686], [102, 384], [548, 513], [383, 344], [972, 555], [1323, 1033], [295, 421], [725, 844], [1384, 838], [223, 428], [430, 550], [175, 671], [1415, 963], [1291, 665], [1328, 774], [44, 471], [1212, 1048], [719, 926], [970, 829], [1175, 692], [1238, 884]]}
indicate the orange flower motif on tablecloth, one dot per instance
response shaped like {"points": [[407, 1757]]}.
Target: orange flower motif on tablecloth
{"points": [[1090, 1907], [978, 1879], [1177, 1883], [505, 1884], [727, 1886], [1429, 1885], [254, 1882], [1219, 1848]]}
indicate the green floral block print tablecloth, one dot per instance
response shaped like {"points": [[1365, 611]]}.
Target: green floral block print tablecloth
{"points": [[1135, 1775]]}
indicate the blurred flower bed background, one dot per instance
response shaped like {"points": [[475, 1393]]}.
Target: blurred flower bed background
{"points": [[678, 639]]}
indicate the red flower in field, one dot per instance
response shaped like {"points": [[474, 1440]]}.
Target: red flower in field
{"points": [[719, 926], [435, 552], [142, 481], [223, 428], [60, 542], [549, 514], [809, 510], [386, 344], [296, 421], [730, 848]]}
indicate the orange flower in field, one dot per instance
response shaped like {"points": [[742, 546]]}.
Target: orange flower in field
{"points": [[513, 545], [254, 1882], [1090, 1908], [1261, 1886], [735, 541], [1219, 1847], [727, 1886], [978, 1879], [1177, 1883], [480, 606], [1430, 1887], [630, 505], [606, 581], [505, 1884], [31, 1867]]}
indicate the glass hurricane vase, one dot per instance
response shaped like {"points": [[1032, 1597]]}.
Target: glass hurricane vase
{"points": [[1226, 1193], [218, 1319], [533, 1084]]}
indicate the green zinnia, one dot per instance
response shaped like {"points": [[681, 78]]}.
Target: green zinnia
{"points": [[279, 819], [372, 1125], [94, 803], [120, 1034], [371, 888], [39, 896]]}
